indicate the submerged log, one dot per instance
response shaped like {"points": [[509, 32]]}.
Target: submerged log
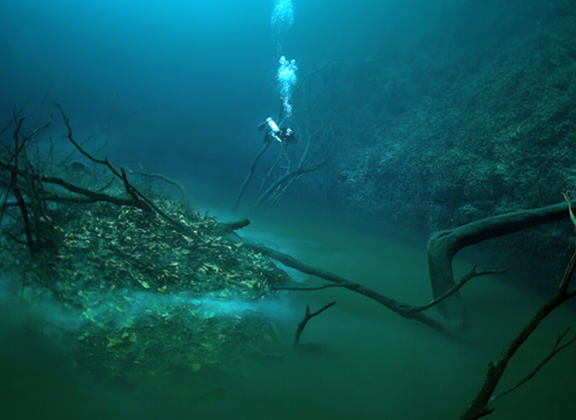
{"points": [[444, 245]]}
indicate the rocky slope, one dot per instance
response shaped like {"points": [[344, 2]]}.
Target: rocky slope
{"points": [[468, 116]]}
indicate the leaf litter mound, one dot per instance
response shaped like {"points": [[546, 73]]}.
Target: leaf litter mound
{"points": [[151, 297]]}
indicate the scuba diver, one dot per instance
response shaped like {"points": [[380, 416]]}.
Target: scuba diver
{"points": [[281, 135]]}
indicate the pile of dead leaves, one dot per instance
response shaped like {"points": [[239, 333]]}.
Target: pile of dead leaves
{"points": [[153, 295]]}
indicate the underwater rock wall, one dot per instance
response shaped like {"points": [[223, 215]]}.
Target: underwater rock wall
{"points": [[470, 116], [461, 131]]}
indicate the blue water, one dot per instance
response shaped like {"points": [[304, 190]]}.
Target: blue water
{"points": [[184, 84]]}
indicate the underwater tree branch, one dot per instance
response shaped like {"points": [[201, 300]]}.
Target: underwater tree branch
{"points": [[92, 195], [136, 197], [443, 246], [276, 189], [307, 317], [229, 227], [480, 404], [555, 350], [465, 279], [170, 181], [23, 183], [269, 195], [29, 227], [401, 309], [69, 136], [139, 199], [304, 77], [251, 171], [272, 195]]}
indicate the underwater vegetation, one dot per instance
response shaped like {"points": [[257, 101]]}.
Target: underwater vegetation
{"points": [[147, 275]]}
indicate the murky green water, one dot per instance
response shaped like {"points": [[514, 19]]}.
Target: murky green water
{"points": [[372, 364]]}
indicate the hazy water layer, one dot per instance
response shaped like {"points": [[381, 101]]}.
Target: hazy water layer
{"points": [[373, 364]]}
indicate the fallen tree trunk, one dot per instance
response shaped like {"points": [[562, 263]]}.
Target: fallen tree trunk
{"points": [[403, 309], [443, 246]]}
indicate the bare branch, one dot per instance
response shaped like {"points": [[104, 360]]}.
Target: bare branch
{"points": [[170, 181], [80, 149], [480, 405], [401, 309], [93, 196], [307, 317], [465, 279], [249, 176], [443, 246], [555, 350]]}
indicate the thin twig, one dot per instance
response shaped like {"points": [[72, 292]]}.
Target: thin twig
{"points": [[465, 279], [555, 350], [307, 317], [80, 149], [170, 181]]}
